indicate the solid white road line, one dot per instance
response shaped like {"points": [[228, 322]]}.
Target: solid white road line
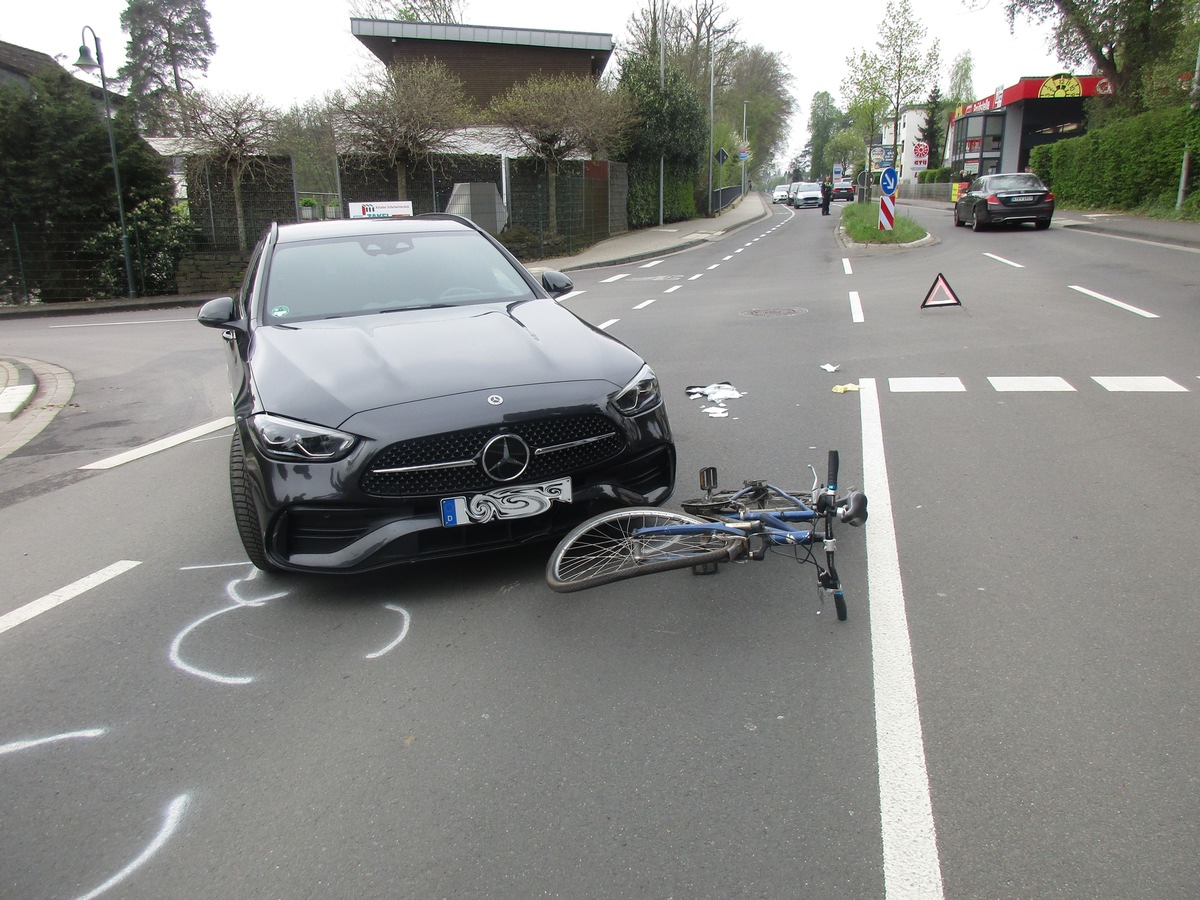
{"points": [[62, 595], [911, 866], [1116, 303], [604, 325], [163, 444], [111, 324]]}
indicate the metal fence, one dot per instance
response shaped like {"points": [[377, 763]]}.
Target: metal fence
{"points": [[78, 261]]}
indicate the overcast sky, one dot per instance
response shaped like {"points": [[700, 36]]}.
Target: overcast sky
{"points": [[292, 50]]}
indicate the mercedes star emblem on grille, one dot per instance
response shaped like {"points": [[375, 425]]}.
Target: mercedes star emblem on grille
{"points": [[495, 400], [505, 457]]}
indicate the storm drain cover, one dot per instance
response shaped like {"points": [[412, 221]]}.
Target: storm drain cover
{"points": [[775, 313]]}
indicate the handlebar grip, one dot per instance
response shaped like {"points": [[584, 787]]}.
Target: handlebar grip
{"points": [[833, 470], [854, 511]]}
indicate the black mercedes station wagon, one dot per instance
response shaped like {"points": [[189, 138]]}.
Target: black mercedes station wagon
{"points": [[405, 389]]}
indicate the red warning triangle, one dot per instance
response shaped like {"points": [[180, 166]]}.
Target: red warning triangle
{"points": [[941, 294]]}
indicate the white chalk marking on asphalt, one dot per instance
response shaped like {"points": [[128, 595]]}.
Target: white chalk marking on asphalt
{"points": [[1030, 383], [174, 813], [917, 385], [911, 866], [163, 444], [645, 303], [1144, 383], [62, 595], [650, 264], [856, 310], [53, 739], [234, 594], [570, 295], [672, 289], [697, 275], [406, 621], [1007, 262], [846, 266], [604, 325], [614, 278], [1116, 303], [112, 324]]}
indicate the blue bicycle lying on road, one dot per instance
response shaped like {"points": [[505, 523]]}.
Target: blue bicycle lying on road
{"points": [[721, 526]]}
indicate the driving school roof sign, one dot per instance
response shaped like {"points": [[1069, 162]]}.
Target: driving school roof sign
{"points": [[381, 209]]}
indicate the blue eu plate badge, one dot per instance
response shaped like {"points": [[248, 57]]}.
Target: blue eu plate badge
{"points": [[454, 511]]}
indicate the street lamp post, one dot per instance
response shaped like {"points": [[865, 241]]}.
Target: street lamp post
{"points": [[86, 63], [744, 146]]}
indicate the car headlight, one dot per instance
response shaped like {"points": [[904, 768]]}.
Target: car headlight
{"points": [[640, 395], [287, 439]]}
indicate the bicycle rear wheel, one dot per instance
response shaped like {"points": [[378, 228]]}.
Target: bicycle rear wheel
{"points": [[606, 548]]}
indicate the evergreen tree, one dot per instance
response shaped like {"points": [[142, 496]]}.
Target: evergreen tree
{"points": [[168, 39]]}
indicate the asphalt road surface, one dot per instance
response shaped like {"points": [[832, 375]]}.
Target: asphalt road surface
{"points": [[1009, 711]]}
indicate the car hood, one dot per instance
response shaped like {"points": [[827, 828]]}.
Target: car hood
{"points": [[327, 370]]}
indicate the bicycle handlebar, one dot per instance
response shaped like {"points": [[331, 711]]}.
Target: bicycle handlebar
{"points": [[833, 472]]}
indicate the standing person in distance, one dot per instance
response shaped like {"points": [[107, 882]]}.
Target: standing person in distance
{"points": [[826, 195]]}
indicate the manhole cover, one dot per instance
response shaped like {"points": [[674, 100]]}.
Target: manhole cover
{"points": [[774, 313]]}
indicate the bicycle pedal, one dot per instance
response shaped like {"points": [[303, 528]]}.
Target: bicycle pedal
{"points": [[708, 568]]}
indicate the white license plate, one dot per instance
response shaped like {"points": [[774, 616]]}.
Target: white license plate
{"points": [[1024, 198], [516, 502]]}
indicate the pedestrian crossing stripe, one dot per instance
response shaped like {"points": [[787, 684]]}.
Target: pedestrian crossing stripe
{"points": [[940, 294], [1037, 383]]}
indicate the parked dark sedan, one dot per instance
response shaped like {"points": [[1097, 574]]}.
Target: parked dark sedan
{"points": [[1013, 197], [404, 389]]}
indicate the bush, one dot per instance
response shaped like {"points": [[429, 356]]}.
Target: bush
{"points": [[1129, 164], [527, 245]]}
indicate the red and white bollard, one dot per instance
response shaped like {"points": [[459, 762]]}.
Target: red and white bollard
{"points": [[887, 212]]}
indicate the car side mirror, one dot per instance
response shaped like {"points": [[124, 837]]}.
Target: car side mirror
{"points": [[217, 313], [556, 283]]}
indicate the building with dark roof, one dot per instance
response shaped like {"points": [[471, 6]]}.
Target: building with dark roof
{"points": [[20, 63], [489, 60]]}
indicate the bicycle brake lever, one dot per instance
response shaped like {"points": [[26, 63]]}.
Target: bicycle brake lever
{"points": [[815, 479]]}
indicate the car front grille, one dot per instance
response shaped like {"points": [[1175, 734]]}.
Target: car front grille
{"points": [[443, 464]]}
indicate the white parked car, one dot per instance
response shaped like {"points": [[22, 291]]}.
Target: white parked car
{"points": [[780, 195]]}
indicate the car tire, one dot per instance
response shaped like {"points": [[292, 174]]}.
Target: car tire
{"points": [[1041, 224], [976, 223], [245, 513], [958, 223]]}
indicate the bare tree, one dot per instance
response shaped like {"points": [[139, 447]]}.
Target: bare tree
{"points": [[401, 114], [554, 117], [442, 12], [237, 133]]}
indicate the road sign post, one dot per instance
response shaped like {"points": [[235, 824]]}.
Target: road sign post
{"points": [[888, 181]]}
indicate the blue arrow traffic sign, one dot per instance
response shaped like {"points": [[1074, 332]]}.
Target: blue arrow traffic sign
{"points": [[887, 181]]}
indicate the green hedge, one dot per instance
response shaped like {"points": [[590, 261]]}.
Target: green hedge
{"points": [[679, 194], [1129, 164]]}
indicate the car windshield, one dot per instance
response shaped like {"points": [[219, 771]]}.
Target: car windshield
{"points": [[387, 272], [810, 186], [1020, 181]]}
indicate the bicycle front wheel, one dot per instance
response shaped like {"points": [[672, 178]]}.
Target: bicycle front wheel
{"points": [[608, 548]]}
